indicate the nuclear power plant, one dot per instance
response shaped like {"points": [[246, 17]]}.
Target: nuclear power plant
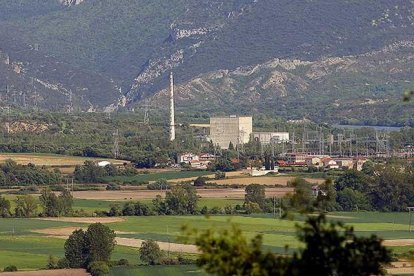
{"points": [[234, 129]]}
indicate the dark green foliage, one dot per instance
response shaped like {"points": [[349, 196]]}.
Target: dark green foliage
{"points": [[160, 184], [26, 206], [113, 187], [100, 242], [135, 209], [53, 205], [10, 268], [94, 245], [330, 249], [326, 197], [89, 172], [221, 164], [12, 174], [181, 200], [5, 211], [150, 252], [98, 268], [333, 249], [76, 251], [351, 200], [123, 262], [255, 193], [352, 179], [302, 199], [200, 181], [52, 262], [219, 175]]}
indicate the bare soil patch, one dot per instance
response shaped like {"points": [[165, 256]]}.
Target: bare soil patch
{"points": [[264, 180], [66, 231], [55, 272], [86, 220], [399, 242], [401, 267], [63, 233]]}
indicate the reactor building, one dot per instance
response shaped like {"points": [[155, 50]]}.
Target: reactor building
{"points": [[234, 129]]}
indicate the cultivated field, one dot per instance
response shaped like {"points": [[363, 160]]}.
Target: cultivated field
{"points": [[264, 180], [27, 243], [123, 195]]}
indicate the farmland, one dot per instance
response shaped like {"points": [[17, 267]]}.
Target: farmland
{"points": [[31, 239]]}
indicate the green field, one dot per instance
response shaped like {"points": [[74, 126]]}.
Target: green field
{"points": [[155, 176], [27, 250], [157, 271]]}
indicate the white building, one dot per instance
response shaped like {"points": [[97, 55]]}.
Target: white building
{"points": [[266, 138]]}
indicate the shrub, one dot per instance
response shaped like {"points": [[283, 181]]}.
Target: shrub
{"points": [[52, 262], [113, 187], [123, 262], [150, 252], [10, 268], [63, 263], [200, 181], [98, 268], [219, 175]]}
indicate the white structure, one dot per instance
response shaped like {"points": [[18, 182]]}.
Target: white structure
{"points": [[172, 115], [234, 129], [266, 138], [103, 163], [188, 158]]}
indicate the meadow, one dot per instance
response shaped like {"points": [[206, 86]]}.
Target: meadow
{"points": [[26, 249]]}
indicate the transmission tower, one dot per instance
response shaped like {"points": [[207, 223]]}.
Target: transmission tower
{"points": [[116, 144]]}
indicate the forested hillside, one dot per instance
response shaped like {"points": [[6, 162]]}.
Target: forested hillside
{"points": [[106, 54]]}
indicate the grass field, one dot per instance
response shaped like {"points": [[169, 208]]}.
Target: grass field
{"points": [[51, 159], [28, 250], [176, 175], [157, 271]]}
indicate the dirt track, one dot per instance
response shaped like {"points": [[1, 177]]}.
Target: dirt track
{"points": [[148, 194], [63, 233], [399, 242]]}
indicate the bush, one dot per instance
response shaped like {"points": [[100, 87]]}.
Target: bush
{"points": [[113, 187], [200, 181], [98, 268], [63, 263], [219, 175], [52, 262], [169, 261], [10, 268], [150, 252], [123, 262], [160, 184]]}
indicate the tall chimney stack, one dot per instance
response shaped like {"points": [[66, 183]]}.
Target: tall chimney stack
{"points": [[172, 119]]}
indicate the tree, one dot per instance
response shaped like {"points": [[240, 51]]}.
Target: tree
{"points": [[350, 200], [150, 252], [49, 202], [200, 181], [98, 268], [76, 251], [182, 200], [100, 242], [26, 206], [4, 207], [219, 175], [333, 249], [255, 193], [326, 198], [65, 202], [231, 146], [352, 179], [330, 249], [302, 198]]}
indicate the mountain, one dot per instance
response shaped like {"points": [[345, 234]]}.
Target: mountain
{"points": [[344, 53]]}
